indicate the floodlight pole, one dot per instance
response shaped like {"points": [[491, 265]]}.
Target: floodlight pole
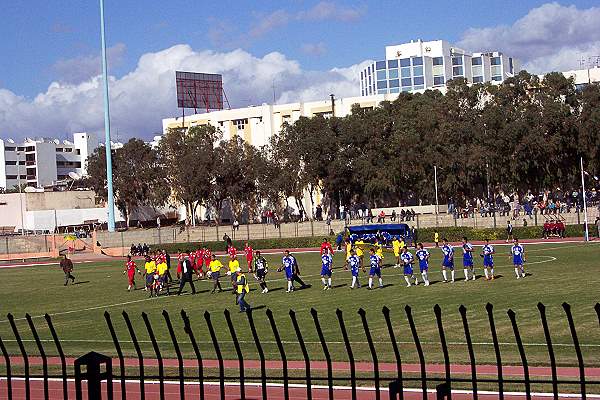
{"points": [[585, 217], [437, 204], [109, 179]]}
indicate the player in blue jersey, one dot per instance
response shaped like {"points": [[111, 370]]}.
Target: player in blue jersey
{"points": [[326, 269], [423, 257], [518, 255], [375, 261], [407, 261], [488, 260], [448, 261], [467, 259], [288, 268], [354, 265]]}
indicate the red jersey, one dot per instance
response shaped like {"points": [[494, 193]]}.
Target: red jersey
{"points": [[130, 267], [232, 251], [327, 246], [192, 257], [207, 254], [199, 254], [180, 257], [249, 252]]}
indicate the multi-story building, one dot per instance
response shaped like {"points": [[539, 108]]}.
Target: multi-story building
{"points": [[44, 162], [418, 65]]}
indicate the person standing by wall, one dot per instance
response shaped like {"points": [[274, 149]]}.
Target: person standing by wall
{"points": [[67, 266]]}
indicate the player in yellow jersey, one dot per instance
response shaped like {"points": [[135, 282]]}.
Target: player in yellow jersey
{"points": [[149, 268], [234, 265], [396, 246], [360, 252], [162, 269], [215, 271], [379, 250]]}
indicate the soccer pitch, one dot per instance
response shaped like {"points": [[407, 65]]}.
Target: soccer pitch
{"points": [[557, 273]]}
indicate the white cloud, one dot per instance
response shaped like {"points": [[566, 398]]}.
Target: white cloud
{"points": [[549, 37], [81, 68], [141, 98], [329, 10], [314, 49]]}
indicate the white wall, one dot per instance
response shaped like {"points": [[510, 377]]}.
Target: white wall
{"points": [[45, 158], [50, 219], [2, 166]]}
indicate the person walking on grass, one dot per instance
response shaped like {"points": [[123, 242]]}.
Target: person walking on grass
{"points": [[130, 269], [67, 266], [215, 272], [185, 275], [326, 269], [242, 288]]}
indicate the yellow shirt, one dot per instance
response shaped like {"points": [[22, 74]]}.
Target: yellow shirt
{"points": [[242, 288], [150, 267], [396, 245], [379, 250], [215, 266], [348, 250], [436, 237], [162, 268], [359, 250], [233, 265]]}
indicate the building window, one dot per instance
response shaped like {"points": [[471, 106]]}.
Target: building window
{"points": [[496, 60], [369, 69], [30, 148], [10, 148], [510, 65], [406, 82], [407, 89], [361, 75], [418, 71], [418, 80], [68, 150], [11, 163], [405, 72], [395, 90], [78, 152], [393, 73], [419, 87], [477, 79], [382, 91], [477, 70], [392, 63], [417, 61], [496, 70], [457, 60], [438, 60], [476, 61], [381, 84], [394, 83], [240, 124], [497, 78], [380, 65], [457, 71], [405, 62], [381, 75], [11, 177], [21, 148], [438, 80]]}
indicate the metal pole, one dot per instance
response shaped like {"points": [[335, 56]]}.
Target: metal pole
{"points": [[487, 173], [437, 205], [585, 219], [20, 190], [109, 182]]}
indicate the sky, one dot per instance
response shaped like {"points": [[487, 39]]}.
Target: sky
{"points": [[296, 50]]}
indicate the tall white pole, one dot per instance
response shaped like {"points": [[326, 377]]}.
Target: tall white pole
{"points": [[20, 190], [585, 219], [437, 204], [109, 181]]}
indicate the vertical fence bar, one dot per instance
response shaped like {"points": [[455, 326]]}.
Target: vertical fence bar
{"points": [[11, 320], [597, 309], [238, 351], [188, 329], [363, 317], [388, 322], [438, 317], [115, 340], [567, 308], [8, 370], [177, 353], [213, 337], [261, 354], [286, 388], [138, 351], [542, 310], [490, 310], [61, 354], [463, 313], [513, 321], [161, 369], [304, 354], [315, 316], [42, 354], [415, 335], [340, 317]]}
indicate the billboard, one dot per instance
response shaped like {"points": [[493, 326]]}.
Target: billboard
{"points": [[199, 91]]}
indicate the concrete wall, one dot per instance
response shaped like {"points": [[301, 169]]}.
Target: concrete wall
{"points": [[59, 200]]}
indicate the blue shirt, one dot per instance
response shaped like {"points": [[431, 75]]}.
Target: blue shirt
{"points": [[448, 252], [488, 251], [354, 262], [423, 256], [326, 260], [467, 251], [517, 251], [288, 262], [374, 261], [407, 258]]}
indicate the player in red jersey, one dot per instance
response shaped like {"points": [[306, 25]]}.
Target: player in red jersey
{"points": [[207, 258], [199, 260], [192, 258], [326, 245], [232, 251], [130, 268], [249, 252]]}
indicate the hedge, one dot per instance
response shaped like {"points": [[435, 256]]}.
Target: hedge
{"points": [[453, 234]]}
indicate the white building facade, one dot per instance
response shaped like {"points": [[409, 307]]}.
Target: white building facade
{"points": [[419, 65]]}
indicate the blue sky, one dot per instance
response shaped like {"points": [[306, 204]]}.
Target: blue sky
{"points": [[50, 48]]}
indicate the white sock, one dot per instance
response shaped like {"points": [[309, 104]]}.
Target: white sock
{"points": [[492, 270], [424, 275], [485, 271], [452, 273], [466, 271], [416, 279], [517, 271], [407, 280], [523, 272], [289, 285], [380, 282], [329, 281], [370, 282], [445, 274], [353, 281], [324, 282]]}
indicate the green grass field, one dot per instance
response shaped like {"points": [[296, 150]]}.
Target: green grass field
{"points": [[558, 273]]}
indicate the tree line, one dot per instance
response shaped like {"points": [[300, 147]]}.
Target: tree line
{"points": [[525, 134]]}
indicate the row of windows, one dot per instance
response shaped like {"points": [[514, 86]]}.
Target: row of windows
{"points": [[402, 73], [393, 83], [15, 163], [458, 70], [15, 177], [76, 164], [403, 62]]}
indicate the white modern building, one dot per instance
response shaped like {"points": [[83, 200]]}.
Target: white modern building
{"points": [[44, 162], [419, 65]]}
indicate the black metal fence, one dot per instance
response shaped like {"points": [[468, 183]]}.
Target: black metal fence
{"points": [[93, 376]]}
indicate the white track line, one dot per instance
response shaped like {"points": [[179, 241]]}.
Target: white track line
{"points": [[322, 387]]}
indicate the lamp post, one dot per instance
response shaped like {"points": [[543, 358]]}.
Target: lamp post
{"points": [[585, 218], [109, 182], [20, 190], [437, 204]]}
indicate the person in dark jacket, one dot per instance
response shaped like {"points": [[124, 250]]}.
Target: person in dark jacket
{"points": [[67, 267], [186, 275]]}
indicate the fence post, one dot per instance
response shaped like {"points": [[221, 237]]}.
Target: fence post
{"points": [[513, 321], [286, 392], [113, 334], [463, 313], [542, 309], [261, 355], [567, 308], [8, 370], [238, 351], [139, 353], [11, 320], [188, 329], [490, 310], [177, 353], [340, 317], [325, 351], [415, 335], [363, 317], [61, 354], [42, 354], [304, 354], [398, 387], [92, 361], [213, 337], [443, 389], [312, 228]]}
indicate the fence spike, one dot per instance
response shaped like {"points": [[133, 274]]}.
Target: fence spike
{"points": [[513, 320], [304, 354], [363, 317], [542, 309], [177, 353], [463, 313], [8, 370], [261, 354], [42, 353], [315, 316], [413, 330], [386, 314], [490, 310], [437, 310], [342, 324], [115, 340], [213, 337], [286, 389], [11, 320], [238, 351], [597, 308], [139, 353], [61, 354], [188, 330], [161, 369], [567, 308]]}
